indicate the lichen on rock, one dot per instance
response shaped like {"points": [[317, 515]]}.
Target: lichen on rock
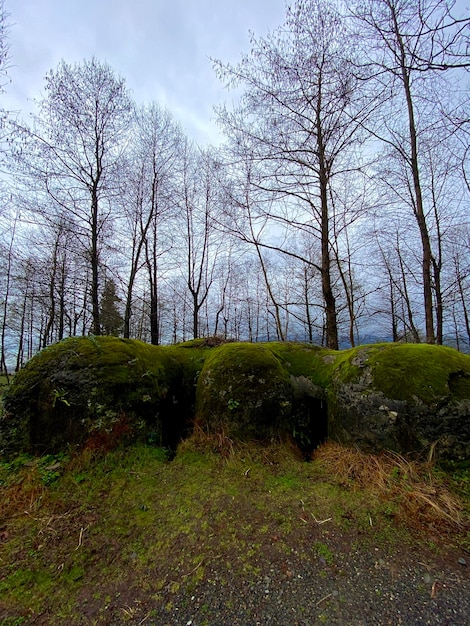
{"points": [[403, 397]]}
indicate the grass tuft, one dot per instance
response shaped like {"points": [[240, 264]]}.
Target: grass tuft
{"points": [[217, 442], [420, 494]]}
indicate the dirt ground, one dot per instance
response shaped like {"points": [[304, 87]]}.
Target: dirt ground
{"points": [[135, 540]]}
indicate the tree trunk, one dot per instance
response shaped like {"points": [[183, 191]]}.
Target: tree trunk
{"points": [[418, 199], [94, 262], [307, 307], [328, 295]]}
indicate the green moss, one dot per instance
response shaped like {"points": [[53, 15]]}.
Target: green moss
{"points": [[81, 387], [106, 388], [401, 371], [28, 586], [301, 359], [245, 388], [406, 371]]}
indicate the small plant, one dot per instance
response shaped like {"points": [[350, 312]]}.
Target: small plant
{"points": [[51, 467], [301, 438], [59, 394], [324, 552], [233, 404]]}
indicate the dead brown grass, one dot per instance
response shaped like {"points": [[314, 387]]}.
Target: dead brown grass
{"points": [[228, 448], [217, 442], [23, 496], [420, 495]]}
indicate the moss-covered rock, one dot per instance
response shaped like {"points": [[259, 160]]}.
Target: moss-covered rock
{"points": [[403, 397], [82, 388], [244, 388], [309, 378]]}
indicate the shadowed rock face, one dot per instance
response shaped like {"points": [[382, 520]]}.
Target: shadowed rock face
{"points": [[244, 389], [403, 397], [82, 391]]}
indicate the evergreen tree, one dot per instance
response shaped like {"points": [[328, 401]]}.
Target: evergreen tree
{"points": [[111, 318]]}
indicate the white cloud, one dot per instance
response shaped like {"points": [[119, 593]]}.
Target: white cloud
{"points": [[161, 47]]}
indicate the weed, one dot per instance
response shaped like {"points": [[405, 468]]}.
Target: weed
{"points": [[51, 467], [233, 404], [322, 550], [59, 395]]}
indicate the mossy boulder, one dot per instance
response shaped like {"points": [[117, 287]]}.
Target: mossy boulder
{"points": [[309, 378], [402, 397], [244, 389], [82, 389]]}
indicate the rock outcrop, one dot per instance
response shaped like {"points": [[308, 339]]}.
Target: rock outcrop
{"points": [[92, 390], [402, 397]]}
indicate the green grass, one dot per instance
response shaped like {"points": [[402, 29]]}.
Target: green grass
{"points": [[4, 384], [108, 535]]}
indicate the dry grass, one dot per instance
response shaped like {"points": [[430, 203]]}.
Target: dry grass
{"points": [[203, 441], [421, 496], [23, 495], [228, 448]]}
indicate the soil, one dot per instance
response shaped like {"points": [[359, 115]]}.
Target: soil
{"points": [[144, 545], [344, 580]]}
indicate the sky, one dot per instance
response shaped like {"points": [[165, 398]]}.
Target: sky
{"points": [[161, 47]]}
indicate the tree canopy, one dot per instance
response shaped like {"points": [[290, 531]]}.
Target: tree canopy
{"points": [[335, 211]]}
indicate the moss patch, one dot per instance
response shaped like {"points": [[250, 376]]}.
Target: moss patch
{"points": [[407, 371], [83, 387], [420, 370], [301, 359], [243, 387]]}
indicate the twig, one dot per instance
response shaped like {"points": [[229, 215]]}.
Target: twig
{"points": [[323, 599], [193, 570], [321, 521], [80, 539], [145, 618]]}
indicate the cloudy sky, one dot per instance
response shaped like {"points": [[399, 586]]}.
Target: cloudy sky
{"points": [[161, 48]]}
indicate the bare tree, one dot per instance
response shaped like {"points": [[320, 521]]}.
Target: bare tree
{"points": [[9, 254], [73, 153], [148, 191], [300, 116], [405, 44], [198, 204], [4, 55]]}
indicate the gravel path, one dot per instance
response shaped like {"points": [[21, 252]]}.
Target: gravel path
{"points": [[359, 588]]}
